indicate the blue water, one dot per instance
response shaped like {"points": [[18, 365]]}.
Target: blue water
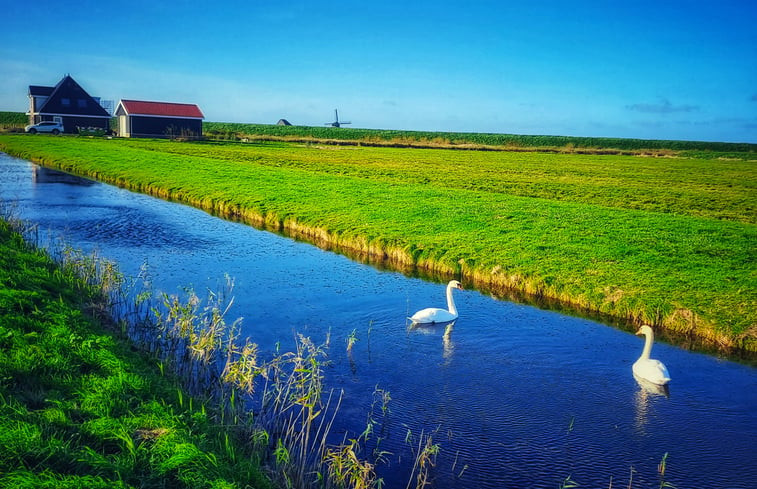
{"points": [[515, 396]]}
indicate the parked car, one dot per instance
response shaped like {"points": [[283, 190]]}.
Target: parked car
{"points": [[47, 126]]}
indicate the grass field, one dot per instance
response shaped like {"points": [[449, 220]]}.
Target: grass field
{"points": [[232, 130], [79, 408], [668, 241], [15, 121]]}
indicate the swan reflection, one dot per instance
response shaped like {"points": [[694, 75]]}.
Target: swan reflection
{"points": [[645, 396], [652, 388], [448, 346]]}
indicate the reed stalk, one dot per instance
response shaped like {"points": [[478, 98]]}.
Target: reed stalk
{"points": [[292, 416], [351, 340], [425, 459], [568, 483]]}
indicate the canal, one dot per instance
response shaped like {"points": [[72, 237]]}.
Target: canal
{"points": [[515, 396]]}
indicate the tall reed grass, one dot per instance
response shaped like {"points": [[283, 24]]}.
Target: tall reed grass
{"points": [[78, 406]]}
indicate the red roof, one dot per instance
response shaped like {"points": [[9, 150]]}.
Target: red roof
{"points": [[167, 109]]}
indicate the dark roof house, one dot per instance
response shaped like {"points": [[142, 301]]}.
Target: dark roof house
{"points": [[67, 103], [137, 118]]}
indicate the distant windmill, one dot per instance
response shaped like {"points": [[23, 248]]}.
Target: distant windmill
{"points": [[336, 122]]}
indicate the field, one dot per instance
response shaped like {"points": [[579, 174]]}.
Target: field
{"points": [[15, 121], [667, 241], [510, 142]]}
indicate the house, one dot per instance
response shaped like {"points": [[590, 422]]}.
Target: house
{"points": [[137, 118], [283, 122], [67, 103]]}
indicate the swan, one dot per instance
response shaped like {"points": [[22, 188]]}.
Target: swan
{"points": [[432, 315], [646, 368]]}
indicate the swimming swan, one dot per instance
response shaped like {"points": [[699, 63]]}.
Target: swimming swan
{"points": [[646, 368], [433, 315]]}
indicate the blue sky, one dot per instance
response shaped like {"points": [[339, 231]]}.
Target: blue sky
{"points": [[643, 69]]}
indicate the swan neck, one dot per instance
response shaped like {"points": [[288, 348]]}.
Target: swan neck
{"points": [[450, 301], [647, 347]]}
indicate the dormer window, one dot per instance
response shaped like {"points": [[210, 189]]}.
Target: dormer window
{"points": [[39, 102]]}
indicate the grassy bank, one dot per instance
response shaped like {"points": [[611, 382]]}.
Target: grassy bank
{"points": [[78, 406], [668, 241]]}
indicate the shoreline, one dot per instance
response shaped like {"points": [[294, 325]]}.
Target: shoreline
{"points": [[680, 328]]}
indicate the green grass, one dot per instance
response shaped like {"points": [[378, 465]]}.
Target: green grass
{"points": [[79, 408], [667, 241]]}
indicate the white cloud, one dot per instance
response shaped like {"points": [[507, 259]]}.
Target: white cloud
{"points": [[663, 107]]}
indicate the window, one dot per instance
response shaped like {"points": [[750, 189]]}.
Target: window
{"points": [[81, 103], [65, 101]]}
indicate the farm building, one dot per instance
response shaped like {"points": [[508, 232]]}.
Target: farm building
{"points": [[67, 103], [138, 118]]}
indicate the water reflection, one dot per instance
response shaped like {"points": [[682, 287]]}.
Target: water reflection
{"points": [[648, 392], [40, 174], [448, 346], [651, 387]]}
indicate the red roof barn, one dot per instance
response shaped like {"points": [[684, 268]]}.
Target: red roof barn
{"points": [[138, 118]]}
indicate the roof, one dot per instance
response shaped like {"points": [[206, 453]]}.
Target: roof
{"points": [[67, 98], [40, 91], [164, 109]]}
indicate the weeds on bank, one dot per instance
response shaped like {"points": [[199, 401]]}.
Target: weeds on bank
{"points": [[79, 408], [279, 405]]}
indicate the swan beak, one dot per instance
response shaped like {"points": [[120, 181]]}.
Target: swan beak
{"points": [[639, 333]]}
